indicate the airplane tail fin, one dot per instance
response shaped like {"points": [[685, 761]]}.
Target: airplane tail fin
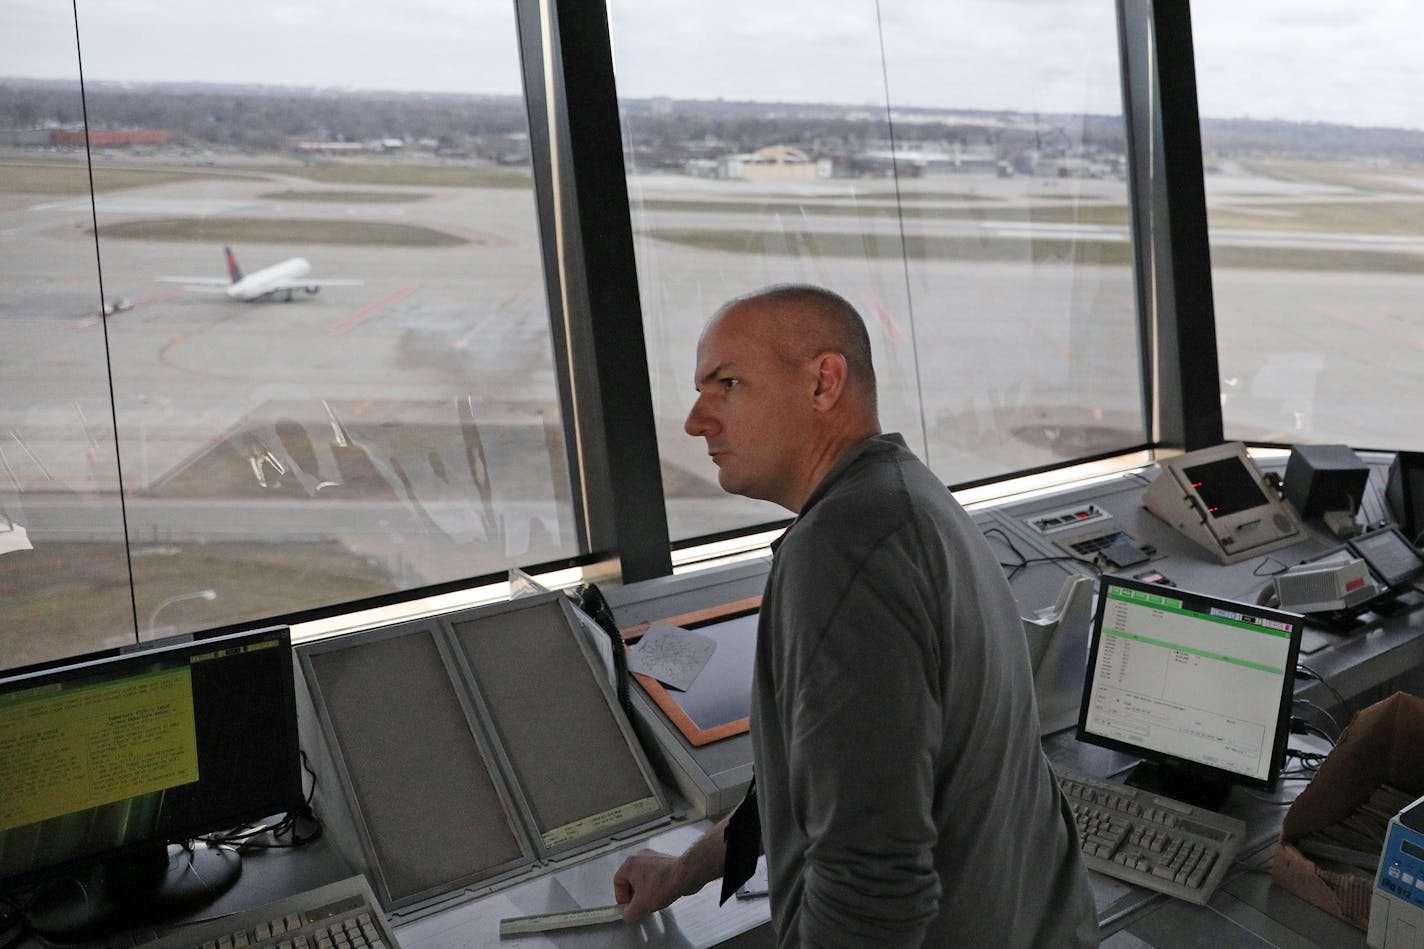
{"points": [[233, 270]]}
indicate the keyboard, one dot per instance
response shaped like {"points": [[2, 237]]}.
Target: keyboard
{"points": [[343, 914], [1152, 841]]}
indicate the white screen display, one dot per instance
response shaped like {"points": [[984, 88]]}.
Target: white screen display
{"points": [[1202, 682]]}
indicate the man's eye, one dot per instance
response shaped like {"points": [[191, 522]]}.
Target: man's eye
{"points": [[729, 384]]}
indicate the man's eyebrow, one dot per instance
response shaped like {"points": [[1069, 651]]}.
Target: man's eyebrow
{"points": [[714, 372]]}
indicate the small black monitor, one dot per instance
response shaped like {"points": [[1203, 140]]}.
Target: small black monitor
{"points": [[1196, 686], [105, 763], [1322, 478], [1393, 560], [1226, 487], [1404, 492]]}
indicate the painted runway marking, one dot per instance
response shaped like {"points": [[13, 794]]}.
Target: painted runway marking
{"points": [[369, 310], [1373, 328]]}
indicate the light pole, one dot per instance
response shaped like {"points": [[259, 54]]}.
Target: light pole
{"points": [[199, 595]]}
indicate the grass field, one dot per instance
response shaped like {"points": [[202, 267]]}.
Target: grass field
{"points": [[345, 197], [1379, 216], [445, 176], [1105, 214], [73, 178], [230, 230], [44, 591], [976, 250], [831, 244], [1335, 174]]}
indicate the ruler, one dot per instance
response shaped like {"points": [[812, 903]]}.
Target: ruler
{"points": [[568, 919]]}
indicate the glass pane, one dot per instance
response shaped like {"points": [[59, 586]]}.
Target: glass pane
{"points": [[61, 525], [974, 210], [359, 398], [1313, 190], [745, 169], [1012, 150]]}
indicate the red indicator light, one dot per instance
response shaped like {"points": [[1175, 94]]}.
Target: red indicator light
{"points": [[1197, 484]]}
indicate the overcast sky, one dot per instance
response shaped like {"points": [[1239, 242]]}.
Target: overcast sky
{"points": [[1349, 61]]}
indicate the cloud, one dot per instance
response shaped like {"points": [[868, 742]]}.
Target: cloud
{"points": [[1306, 60]]}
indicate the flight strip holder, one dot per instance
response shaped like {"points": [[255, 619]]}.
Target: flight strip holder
{"points": [[1218, 499]]}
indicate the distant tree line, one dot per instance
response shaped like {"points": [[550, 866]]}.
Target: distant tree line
{"points": [[263, 120], [659, 131]]}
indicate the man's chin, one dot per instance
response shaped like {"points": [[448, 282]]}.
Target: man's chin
{"points": [[729, 482], [741, 487]]}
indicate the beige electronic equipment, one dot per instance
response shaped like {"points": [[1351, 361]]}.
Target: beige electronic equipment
{"points": [[1218, 499], [1328, 585]]}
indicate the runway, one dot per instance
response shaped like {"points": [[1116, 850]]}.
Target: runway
{"points": [[439, 364]]}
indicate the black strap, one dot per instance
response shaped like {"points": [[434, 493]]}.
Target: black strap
{"points": [[743, 837], [590, 599]]}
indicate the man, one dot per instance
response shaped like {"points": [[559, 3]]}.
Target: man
{"points": [[904, 797]]}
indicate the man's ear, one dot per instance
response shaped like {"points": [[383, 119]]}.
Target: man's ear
{"points": [[831, 372]]}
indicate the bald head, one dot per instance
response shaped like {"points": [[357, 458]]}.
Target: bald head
{"points": [[801, 321], [784, 388]]}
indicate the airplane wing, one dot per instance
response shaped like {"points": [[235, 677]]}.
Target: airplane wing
{"points": [[197, 281]]}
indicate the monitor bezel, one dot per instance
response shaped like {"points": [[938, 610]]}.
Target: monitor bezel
{"points": [[1207, 773], [288, 794]]}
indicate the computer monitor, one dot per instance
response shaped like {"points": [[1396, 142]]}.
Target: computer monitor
{"points": [[1197, 687], [1390, 556], [104, 763]]}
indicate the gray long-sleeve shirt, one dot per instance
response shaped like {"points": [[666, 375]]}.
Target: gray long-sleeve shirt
{"points": [[905, 798]]}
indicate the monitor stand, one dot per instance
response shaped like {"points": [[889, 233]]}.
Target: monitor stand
{"points": [[108, 897], [1182, 784]]}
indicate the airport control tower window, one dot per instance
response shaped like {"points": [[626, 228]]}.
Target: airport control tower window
{"points": [[956, 170], [321, 369], [1315, 199]]}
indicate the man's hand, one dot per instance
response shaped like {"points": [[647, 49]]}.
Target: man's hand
{"points": [[647, 882]]}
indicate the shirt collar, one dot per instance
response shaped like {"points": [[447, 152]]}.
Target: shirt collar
{"points": [[888, 441]]}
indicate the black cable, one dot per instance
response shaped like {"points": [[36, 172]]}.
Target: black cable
{"points": [[1310, 762], [242, 837], [1024, 561], [13, 927], [1331, 718], [1339, 699], [1283, 567]]}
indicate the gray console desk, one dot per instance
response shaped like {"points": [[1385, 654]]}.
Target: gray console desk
{"points": [[1360, 665]]}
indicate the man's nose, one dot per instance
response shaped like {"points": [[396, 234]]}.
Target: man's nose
{"points": [[699, 423]]}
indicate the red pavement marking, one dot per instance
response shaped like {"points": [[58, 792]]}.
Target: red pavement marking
{"points": [[369, 310]]}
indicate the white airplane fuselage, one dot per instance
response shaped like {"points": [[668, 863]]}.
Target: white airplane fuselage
{"points": [[277, 277]]}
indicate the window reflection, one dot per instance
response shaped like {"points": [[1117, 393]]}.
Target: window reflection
{"points": [[359, 401], [965, 190], [61, 525], [1313, 198]]}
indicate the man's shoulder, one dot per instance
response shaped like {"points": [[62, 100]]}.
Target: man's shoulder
{"points": [[879, 504], [880, 488]]}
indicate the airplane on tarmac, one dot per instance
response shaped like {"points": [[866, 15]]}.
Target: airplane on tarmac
{"points": [[282, 279]]}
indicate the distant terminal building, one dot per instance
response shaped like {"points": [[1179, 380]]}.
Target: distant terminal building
{"points": [[773, 163], [915, 162], [109, 138], [350, 148]]}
